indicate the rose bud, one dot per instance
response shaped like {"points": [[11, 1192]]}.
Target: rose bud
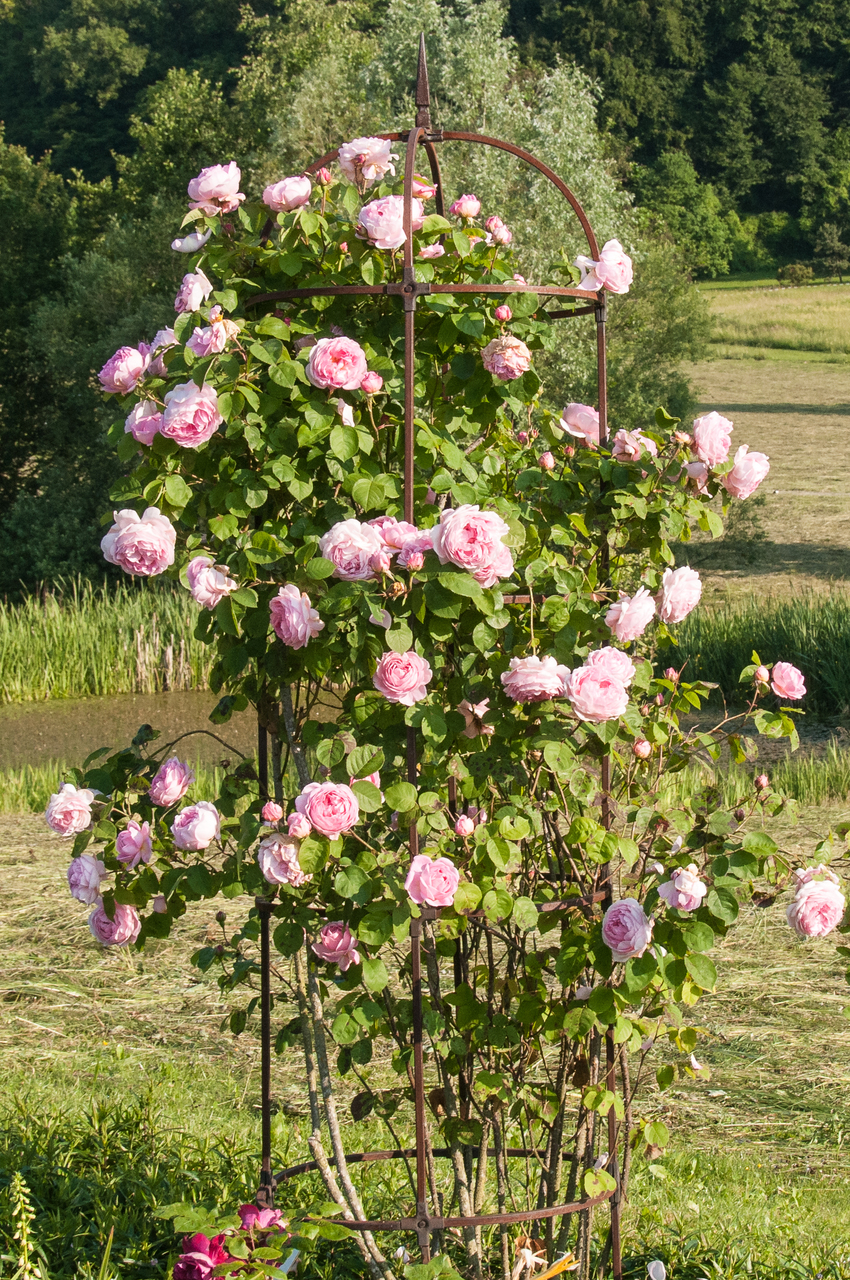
{"points": [[324, 771], [762, 675], [740, 815], [672, 674], [372, 383], [431, 497], [642, 749], [464, 826], [503, 313], [380, 562], [323, 177], [762, 782], [682, 437], [546, 461], [415, 561], [343, 246], [219, 950], [159, 904], [271, 812], [569, 450], [659, 698], [220, 916], [522, 437]]}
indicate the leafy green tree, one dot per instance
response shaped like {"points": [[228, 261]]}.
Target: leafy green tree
{"points": [[831, 250], [689, 209]]}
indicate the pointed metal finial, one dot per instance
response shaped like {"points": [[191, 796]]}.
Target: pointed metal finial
{"points": [[423, 92]]}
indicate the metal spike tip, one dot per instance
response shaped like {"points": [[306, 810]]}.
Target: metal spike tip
{"points": [[423, 92]]}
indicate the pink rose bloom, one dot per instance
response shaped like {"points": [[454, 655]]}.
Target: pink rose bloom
{"points": [[698, 473], [503, 313], [394, 533], [474, 713], [787, 682], [546, 462], [615, 664], [196, 826], [402, 677], [499, 233], [199, 1257], [294, 620], [162, 340], [711, 437], [366, 160], [595, 696], [191, 415], [133, 844], [422, 188], [68, 812], [277, 857], [84, 876], [631, 615], [350, 545], [208, 584], [472, 539], [144, 421], [506, 357], [747, 473], [581, 421], [141, 545], [271, 812], [372, 383], [382, 221], [212, 340], [432, 883], [817, 909], [299, 827], [412, 554], [535, 679], [628, 446], [464, 826], [330, 807], [336, 945], [413, 560], [679, 594], [118, 932], [467, 206], [254, 1219], [432, 251], [170, 783], [626, 929], [381, 563], [216, 189], [684, 889], [337, 362], [642, 749], [289, 193], [123, 370], [194, 290], [613, 271]]}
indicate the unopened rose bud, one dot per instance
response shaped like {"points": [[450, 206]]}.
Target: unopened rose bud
{"points": [[762, 782], [569, 450], [271, 812], [740, 815], [343, 248], [642, 749], [415, 561], [659, 698], [522, 437], [645, 708], [431, 497], [464, 826], [394, 821], [219, 950], [372, 383], [503, 313], [380, 562], [159, 904], [299, 825], [546, 461], [220, 916], [323, 177], [324, 771], [672, 674], [762, 675], [682, 437]]}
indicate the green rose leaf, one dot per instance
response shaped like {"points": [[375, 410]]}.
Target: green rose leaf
{"points": [[375, 976]]}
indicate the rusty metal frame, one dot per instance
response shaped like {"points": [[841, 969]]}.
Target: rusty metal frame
{"points": [[424, 1223]]}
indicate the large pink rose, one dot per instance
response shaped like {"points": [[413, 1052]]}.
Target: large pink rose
{"points": [[144, 421], [350, 546], [712, 438], [366, 160], [747, 473], [402, 677], [123, 370], [506, 357], [199, 1257], [170, 783], [191, 415], [330, 807], [817, 909], [581, 421], [432, 883], [212, 340], [278, 860], [141, 545], [294, 620], [612, 271], [84, 878], [69, 810], [133, 844], [626, 929], [216, 189], [394, 533], [382, 221], [468, 206], [208, 584], [255, 1219], [787, 681], [336, 945], [194, 290], [535, 680], [595, 696], [289, 193], [614, 663], [679, 594], [196, 826], [684, 890], [629, 617], [628, 446], [337, 362], [118, 932], [472, 539]]}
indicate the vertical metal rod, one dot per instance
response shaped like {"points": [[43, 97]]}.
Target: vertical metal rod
{"points": [[264, 907], [422, 1226], [263, 760], [614, 1165]]}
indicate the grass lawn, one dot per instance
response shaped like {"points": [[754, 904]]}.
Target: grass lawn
{"points": [[759, 321]]}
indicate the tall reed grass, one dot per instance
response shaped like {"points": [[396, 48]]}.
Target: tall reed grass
{"points": [[28, 788], [78, 640], [810, 779]]}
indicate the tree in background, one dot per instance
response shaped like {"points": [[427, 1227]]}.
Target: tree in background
{"points": [[831, 250], [690, 210]]}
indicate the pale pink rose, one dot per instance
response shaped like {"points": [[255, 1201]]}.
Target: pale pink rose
{"points": [[381, 563], [679, 594], [432, 884], [299, 827], [207, 583], [141, 545], [464, 826], [684, 889], [413, 560], [323, 177], [472, 539], [787, 682], [159, 904], [350, 545], [84, 878], [581, 421], [817, 909], [382, 221], [642, 749], [196, 826], [467, 206], [277, 857], [698, 474], [761, 782], [535, 679], [422, 188], [626, 929], [212, 340], [615, 664], [336, 945], [191, 416], [627, 446], [506, 357], [330, 807], [802, 875], [289, 193], [546, 462], [629, 617], [133, 844], [711, 438], [123, 370], [366, 160], [412, 553], [194, 290], [118, 932], [216, 189], [747, 473], [432, 251], [191, 243], [503, 313], [612, 271], [271, 812], [372, 383], [68, 811], [170, 783], [402, 677], [761, 675], [473, 714], [144, 421], [595, 696], [162, 340], [294, 620], [394, 533], [337, 362], [499, 233]]}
